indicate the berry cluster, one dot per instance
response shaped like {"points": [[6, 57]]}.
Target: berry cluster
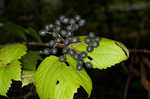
{"points": [[62, 33]]}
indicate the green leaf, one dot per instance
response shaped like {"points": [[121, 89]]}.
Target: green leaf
{"points": [[12, 32], [33, 34], [56, 80], [107, 54], [27, 77], [7, 73], [30, 60], [11, 52]]}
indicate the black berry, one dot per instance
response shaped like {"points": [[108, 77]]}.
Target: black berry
{"points": [[58, 40], [88, 65], [80, 61], [65, 50], [54, 34], [46, 51], [91, 35], [53, 50], [62, 58], [95, 44], [71, 52], [52, 43], [66, 42], [74, 39], [87, 40], [79, 67], [97, 39], [89, 48], [76, 56], [42, 32], [83, 54]]}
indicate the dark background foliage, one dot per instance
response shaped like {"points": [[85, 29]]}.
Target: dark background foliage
{"points": [[127, 21]]}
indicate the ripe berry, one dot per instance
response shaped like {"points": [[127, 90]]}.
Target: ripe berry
{"points": [[53, 50], [52, 43], [69, 27], [54, 34], [58, 40], [61, 18], [74, 39], [91, 35], [83, 54], [95, 44], [71, 52], [46, 51], [65, 20], [76, 56], [57, 28], [97, 39], [72, 21], [69, 34], [63, 33], [42, 32], [62, 58], [80, 61], [87, 40], [79, 67], [57, 22], [81, 22], [65, 50], [77, 17], [89, 48], [66, 42], [48, 27], [88, 65]]}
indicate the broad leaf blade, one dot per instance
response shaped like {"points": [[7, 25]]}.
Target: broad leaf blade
{"points": [[11, 52], [30, 60], [7, 73], [55, 80], [107, 54], [33, 34]]}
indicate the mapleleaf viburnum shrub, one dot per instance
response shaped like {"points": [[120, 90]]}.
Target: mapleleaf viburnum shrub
{"points": [[63, 71]]}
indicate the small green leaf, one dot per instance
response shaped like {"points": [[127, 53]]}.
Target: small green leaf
{"points": [[33, 34], [30, 60], [27, 77], [56, 80], [107, 54], [7, 73], [11, 52]]}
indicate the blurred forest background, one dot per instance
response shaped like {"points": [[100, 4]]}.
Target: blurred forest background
{"points": [[127, 21]]}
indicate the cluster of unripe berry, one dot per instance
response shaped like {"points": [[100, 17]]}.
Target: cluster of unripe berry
{"points": [[62, 33]]}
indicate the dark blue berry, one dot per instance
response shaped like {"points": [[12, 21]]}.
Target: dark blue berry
{"points": [[88, 65], [83, 54], [49, 27], [65, 50], [91, 35], [52, 43], [81, 22], [53, 50], [71, 52], [42, 32], [66, 42], [72, 21], [76, 56], [74, 39], [87, 40], [95, 44], [63, 33], [79, 67], [77, 17], [62, 58], [69, 34], [58, 40], [54, 34], [97, 39], [89, 48], [80, 61], [65, 20], [46, 51]]}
